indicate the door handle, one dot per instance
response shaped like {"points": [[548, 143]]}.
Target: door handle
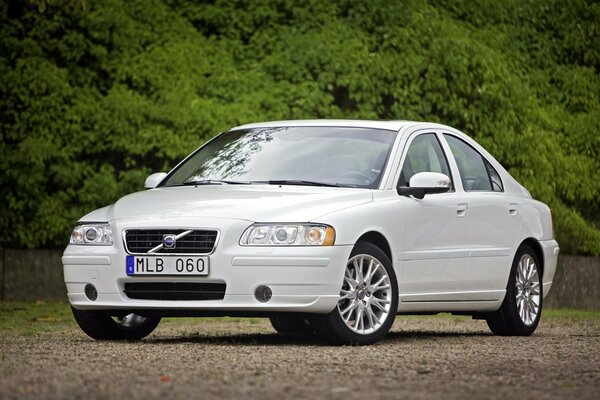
{"points": [[513, 209], [461, 210]]}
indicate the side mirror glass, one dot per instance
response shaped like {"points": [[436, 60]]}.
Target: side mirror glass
{"points": [[153, 180], [425, 183]]}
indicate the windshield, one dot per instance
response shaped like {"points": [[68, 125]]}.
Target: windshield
{"points": [[328, 156]]}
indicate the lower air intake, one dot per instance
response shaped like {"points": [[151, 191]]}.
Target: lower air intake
{"points": [[175, 291]]}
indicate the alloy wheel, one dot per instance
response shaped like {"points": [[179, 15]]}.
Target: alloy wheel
{"points": [[366, 295], [130, 320], [528, 289]]}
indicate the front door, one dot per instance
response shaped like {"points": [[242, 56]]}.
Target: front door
{"points": [[434, 254]]}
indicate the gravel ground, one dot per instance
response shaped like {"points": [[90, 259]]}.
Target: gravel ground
{"points": [[421, 358]]}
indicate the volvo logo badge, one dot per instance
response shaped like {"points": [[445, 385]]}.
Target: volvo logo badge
{"points": [[169, 241]]}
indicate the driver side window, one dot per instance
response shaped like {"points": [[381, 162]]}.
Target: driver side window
{"points": [[425, 154]]}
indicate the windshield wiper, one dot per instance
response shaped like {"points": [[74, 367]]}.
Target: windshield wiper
{"points": [[297, 182], [300, 182], [212, 182]]}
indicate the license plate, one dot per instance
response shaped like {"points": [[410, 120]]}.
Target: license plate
{"points": [[166, 265]]}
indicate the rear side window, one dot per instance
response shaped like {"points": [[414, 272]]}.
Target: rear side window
{"points": [[495, 179], [476, 173]]}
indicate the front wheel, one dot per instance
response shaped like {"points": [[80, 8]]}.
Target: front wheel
{"points": [[521, 309], [102, 325], [368, 300]]}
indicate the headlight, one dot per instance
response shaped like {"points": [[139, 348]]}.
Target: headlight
{"points": [[94, 234], [288, 235]]}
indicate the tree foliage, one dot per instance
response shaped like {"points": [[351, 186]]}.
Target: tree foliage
{"points": [[96, 95]]}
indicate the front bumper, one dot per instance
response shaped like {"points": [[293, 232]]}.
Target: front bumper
{"points": [[302, 279]]}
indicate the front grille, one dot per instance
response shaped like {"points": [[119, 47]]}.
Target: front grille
{"points": [[196, 242], [175, 291]]}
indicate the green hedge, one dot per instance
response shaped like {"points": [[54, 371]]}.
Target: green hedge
{"points": [[95, 95]]}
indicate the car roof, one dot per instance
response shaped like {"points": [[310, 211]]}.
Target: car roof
{"points": [[354, 123]]}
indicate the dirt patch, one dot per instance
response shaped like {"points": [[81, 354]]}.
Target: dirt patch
{"points": [[445, 358]]}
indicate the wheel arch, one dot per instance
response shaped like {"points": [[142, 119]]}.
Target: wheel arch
{"points": [[377, 239], [537, 248]]}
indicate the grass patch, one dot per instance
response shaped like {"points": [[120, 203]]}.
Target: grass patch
{"points": [[34, 317], [29, 318], [566, 313], [192, 320], [552, 313]]}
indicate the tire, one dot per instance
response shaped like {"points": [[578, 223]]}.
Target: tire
{"points": [[350, 323], [100, 325], [291, 325], [521, 309]]}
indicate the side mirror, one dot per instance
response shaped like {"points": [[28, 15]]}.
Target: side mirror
{"points": [[153, 180], [425, 183]]}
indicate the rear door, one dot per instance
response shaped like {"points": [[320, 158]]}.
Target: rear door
{"points": [[494, 217]]}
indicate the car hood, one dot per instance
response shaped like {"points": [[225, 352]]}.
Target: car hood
{"points": [[260, 203]]}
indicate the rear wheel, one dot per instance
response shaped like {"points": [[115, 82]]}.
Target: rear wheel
{"points": [[291, 325], [521, 309], [368, 300], [103, 325]]}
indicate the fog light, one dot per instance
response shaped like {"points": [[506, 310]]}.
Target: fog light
{"points": [[90, 292], [263, 293]]}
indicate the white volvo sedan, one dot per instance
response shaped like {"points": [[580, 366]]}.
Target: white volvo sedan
{"points": [[327, 226]]}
